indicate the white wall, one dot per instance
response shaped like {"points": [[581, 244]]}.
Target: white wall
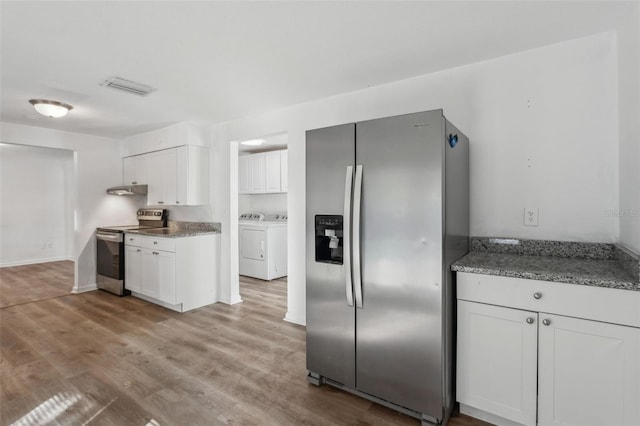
{"points": [[36, 206], [262, 203], [97, 166], [629, 125], [543, 128]]}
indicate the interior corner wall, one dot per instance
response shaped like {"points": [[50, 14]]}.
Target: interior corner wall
{"points": [[629, 129], [35, 207], [97, 166], [543, 128]]}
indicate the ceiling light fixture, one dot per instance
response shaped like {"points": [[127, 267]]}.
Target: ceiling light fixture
{"points": [[253, 142], [52, 109]]}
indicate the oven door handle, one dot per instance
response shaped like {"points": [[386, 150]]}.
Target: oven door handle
{"points": [[109, 237]]}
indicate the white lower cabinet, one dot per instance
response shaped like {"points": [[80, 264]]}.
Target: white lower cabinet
{"points": [[528, 364], [178, 273], [133, 268], [497, 360], [588, 373], [158, 271]]}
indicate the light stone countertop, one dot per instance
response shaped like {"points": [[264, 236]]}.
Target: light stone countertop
{"points": [[181, 229], [601, 265]]}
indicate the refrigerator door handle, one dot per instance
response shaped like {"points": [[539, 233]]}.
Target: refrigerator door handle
{"points": [[346, 246], [357, 195]]}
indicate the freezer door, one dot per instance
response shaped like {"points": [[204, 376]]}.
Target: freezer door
{"points": [[399, 328], [330, 154]]}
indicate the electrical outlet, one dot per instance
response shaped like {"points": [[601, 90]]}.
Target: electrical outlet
{"points": [[531, 216]]}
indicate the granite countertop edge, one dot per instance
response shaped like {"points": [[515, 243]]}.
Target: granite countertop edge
{"points": [[177, 233], [591, 264], [550, 276], [180, 229]]}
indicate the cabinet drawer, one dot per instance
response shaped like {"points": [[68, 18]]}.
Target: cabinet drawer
{"points": [[159, 243], [154, 243], [581, 301], [133, 240]]}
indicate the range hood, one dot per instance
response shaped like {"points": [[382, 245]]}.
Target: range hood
{"points": [[128, 190]]}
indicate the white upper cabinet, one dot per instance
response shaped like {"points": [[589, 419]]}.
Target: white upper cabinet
{"points": [[272, 171], [135, 170], [174, 177], [257, 181], [169, 137], [162, 187], [262, 173], [192, 175]]}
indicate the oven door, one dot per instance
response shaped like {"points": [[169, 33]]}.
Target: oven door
{"points": [[110, 261]]}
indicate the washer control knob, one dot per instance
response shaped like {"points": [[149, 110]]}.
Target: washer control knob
{"points": [[537, 295]]}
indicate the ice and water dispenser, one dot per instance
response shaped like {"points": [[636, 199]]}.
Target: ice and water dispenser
{"points": [[329, 239]]}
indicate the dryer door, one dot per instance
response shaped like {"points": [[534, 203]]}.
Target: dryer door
{"points": [[253, 243]]}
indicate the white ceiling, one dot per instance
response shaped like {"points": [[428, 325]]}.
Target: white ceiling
{"points": [[216, 61]]}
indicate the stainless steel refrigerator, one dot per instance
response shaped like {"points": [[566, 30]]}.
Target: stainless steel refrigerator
{"points": [[387, 212]]}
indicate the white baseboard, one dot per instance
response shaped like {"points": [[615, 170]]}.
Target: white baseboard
{"points": [[232, 301], [33, 261], [84, 288], [295, 320], [486, 416], [177, 308]]}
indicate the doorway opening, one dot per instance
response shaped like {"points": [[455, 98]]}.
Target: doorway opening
{"points": [[261, 202], [37, 199]]}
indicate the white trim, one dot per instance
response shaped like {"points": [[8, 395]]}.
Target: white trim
{"points": [[487, 417], [177, 307], [34, 261], [295, 320], [84, 288], [232, 301]]}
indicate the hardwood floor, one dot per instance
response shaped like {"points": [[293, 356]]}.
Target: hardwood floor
{"points": [[29, 283], [95, 358]]}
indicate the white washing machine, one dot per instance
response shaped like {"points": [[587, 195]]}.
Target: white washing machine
{"points": [[262, 242]]}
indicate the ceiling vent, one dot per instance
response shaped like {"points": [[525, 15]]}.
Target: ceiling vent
{"points": [[127, 86]]}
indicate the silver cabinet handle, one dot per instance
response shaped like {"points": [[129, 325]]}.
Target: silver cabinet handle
{"points": [[134, 183], [537, 295], [155, 252], [155, 242], [130, 239], [139, 250], [160, 202], [346, 234], [357, 196], [546, 321], [530, 320]]}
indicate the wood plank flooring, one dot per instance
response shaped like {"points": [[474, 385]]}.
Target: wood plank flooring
{"points": [[95, 358], [29, 283]]}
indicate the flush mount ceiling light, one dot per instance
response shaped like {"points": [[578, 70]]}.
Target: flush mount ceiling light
{"points": [[53, 109], [253, 142]]}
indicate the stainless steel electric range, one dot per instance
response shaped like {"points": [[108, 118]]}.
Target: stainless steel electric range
{"points": [[110, 249]]}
